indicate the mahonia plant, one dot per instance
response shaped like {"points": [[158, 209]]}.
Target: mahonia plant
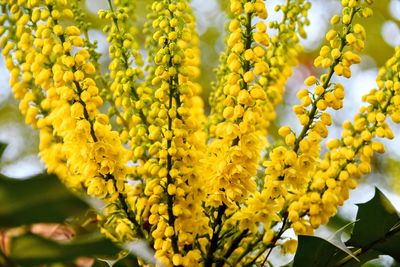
{"points": [[202, 189]]}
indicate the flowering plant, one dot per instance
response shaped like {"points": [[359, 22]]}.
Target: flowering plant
{"points": [[202, 189]]}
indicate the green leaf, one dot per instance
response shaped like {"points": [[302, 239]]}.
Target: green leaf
{"points": [[316, 251], [391, 245], [336, 239], [42, 198], [2, 148], [378, 227], [375, 218], [381, 262], [30, 249], [363, 258], [376, 232]]}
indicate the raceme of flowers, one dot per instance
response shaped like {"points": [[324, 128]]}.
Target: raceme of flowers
{"points": [[202, 189]]}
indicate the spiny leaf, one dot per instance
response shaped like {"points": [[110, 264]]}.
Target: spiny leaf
{"points": [[376, 232], [378, 226], [316, 251], [336, 239]]}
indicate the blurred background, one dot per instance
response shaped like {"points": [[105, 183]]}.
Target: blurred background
{"points": [[383, 34]]}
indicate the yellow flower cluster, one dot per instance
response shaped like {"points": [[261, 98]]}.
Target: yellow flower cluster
{"points": [[350, 156], [337, 57], [251, 84], [173, 184], [238, 141], [130, 100], [24, 60], [290, 169], [271, 65], [192, 185], [52, 76]]}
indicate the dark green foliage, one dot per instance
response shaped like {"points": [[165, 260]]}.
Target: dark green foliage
{"points": [[376, 232]]}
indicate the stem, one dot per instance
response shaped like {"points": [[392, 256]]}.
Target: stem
{"points": [[249, 248], [79, 91], [246, 66], [126, 66], [173, 86], [85, 112], [101, 78], [234, 245], [325, 86], [248, 36], [170, 198], [283, 22], [281, 231], [131, 216], [215, 238], [262, 250]]}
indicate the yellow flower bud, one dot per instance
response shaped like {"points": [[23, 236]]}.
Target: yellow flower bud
{"points": [[258, 93], [350, 38], [331, 35], [332, 144], [228, 112], [249, 54], [346, 19], [177, 260], [284, 131], [248, 7], [335, 19], [310, 80], [304, 119], [326, 118], [290, 139], [171, 189], [261, 27], [302, 93], [248, 77], [72, 31], [169, 231], [234, 25]]}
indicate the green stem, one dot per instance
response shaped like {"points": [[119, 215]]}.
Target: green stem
{"points": [[249, 248], [246, 67], [131, 216], [173, 88], [326, 84], [94, 56], [125, 58], [281, 231], [170, 198], [234, 245], [217, 227], [262, 251]]}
